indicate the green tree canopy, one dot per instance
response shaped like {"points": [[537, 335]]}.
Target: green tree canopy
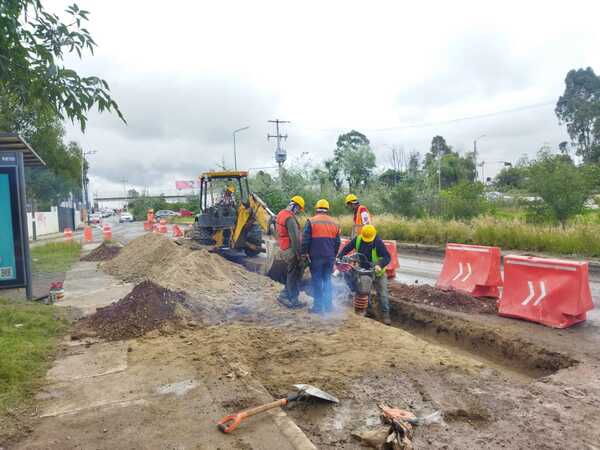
{"points": [[353, 161], [579, 108], [562, 186], [33, 43]]}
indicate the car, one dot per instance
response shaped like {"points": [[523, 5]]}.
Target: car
{"points": [[95, 218], [106, 213], [165, 213], [185, 212], [125, 217]]}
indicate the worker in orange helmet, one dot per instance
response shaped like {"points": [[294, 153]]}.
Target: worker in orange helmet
{"points": [[361, 217], [290, 241]]}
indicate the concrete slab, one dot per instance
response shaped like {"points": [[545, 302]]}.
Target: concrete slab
{"points": [[88, 288], [98, 360]]}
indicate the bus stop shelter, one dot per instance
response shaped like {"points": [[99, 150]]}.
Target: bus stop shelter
{"points": [[15, 261]]}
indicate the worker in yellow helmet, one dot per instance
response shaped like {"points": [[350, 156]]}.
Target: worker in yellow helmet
{"points": [[290, 241], [361, 215], [228, 199], [376, 256], [321, 241]]}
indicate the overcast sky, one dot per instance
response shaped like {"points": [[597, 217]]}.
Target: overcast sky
{"points": [[186, 74]]}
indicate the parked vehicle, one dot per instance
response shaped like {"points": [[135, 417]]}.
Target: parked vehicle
{"points": [[165, 214], [95, 218], [185, 213], [125, 217]]}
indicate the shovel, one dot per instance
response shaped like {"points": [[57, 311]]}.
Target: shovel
{"points": [[229, 423]]}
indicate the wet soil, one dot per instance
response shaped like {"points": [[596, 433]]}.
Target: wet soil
{"points": [[103, 252], [450, 300], [147, 307]]}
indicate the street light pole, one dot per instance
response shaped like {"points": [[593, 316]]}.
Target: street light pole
{"points": [[475, 153], [84, 196], [234, 146]]}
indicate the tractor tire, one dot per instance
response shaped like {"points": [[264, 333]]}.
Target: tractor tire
{"points": [[203, 235]]}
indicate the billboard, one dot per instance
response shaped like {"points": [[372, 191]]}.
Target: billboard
{"points": [[187, 184]]}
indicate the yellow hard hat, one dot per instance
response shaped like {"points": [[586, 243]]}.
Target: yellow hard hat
{"points": [[368, 233], [231, 188], [322, 204], [298, 201], [351, 198]]}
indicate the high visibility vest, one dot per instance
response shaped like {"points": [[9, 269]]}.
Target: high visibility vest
{"points": [[361, 217], [282, 231], [374, 255], [323, 226]]}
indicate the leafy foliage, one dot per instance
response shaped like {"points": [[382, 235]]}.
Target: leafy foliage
{"points": [[464, 200], [560, 184], [33, 43], [353, 161], [579, 108]]}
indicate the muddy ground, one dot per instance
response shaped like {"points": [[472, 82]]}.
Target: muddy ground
{"points": [[498, 384], [103, 252]]}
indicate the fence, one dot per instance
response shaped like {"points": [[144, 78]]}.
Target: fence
{"points": [[54, 221]]}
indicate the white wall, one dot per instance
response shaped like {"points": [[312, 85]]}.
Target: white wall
{"points": [[46, 223], [78, 222]]}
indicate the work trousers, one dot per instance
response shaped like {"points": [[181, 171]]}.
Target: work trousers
{"points": [[295, 270], [320, 272], [380, 284]]}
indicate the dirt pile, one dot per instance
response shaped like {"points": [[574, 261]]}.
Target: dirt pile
{"points": [[104, 252], [147, 307], [219, 290], [451, 300]]}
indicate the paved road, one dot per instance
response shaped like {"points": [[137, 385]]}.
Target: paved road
{"points": [[425, 270]]}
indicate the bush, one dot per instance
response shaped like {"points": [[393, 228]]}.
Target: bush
{"points": [[463, 201]]}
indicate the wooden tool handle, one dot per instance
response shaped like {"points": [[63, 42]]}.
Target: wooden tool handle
{"points": [[235, 419]]}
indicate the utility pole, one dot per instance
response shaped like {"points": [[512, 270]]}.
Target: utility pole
{"points": [[475, 154], [84, 193], [280, 153], [124, 181]]}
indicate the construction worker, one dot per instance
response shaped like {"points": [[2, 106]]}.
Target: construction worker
{"points": [[375, 256], [228, 199], [361, 215], [321, 242], [288, 232]]}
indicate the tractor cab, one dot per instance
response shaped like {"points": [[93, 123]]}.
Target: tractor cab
{"points": [[230, 215]]}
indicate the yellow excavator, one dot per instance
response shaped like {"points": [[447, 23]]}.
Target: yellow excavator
{"points": [[231, 216]]}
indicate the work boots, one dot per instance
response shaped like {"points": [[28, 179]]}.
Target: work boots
{"points": [[386, 318]]}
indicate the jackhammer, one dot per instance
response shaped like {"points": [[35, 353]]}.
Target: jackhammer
{"points": [[361, 279]]}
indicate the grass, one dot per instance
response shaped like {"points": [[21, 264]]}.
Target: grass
{"points": [[28, 337], [180, 219], [582, 237], [55, 256]]}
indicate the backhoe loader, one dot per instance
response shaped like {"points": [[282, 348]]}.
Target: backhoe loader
{"points": [[231, 216]]}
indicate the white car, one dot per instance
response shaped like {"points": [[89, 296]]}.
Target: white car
{"points": [[125, 217]]}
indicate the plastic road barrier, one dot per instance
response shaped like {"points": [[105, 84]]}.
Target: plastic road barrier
{"points": [[107, 231], [68, 233], [552, 292], [474, 269]]}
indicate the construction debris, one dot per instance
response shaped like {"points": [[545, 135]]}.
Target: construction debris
{"points": [[104, 252], [147, 307]]}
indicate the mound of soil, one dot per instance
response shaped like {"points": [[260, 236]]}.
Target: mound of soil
{"points": [[147, 307], [102, 253], [451, 300]]}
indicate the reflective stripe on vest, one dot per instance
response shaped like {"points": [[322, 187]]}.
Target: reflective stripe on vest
{"points": [[323, 226], [282, 231]]}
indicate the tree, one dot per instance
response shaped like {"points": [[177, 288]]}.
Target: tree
{"points": [[463, 201], [512, 177], [562, 186], [439, 147], [579, 108], [33, 43], [353, 158]]}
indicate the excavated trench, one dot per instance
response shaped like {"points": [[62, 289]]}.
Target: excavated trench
{"points": [[518, 359]]}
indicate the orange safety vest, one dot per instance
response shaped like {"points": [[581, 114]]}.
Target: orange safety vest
{"points": [[323, 226], [358, 219], [282, 232]]}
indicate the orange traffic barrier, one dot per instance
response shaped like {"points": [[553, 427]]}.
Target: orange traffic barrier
{"points": [[552, 292], [107, 232], [68, 233], [147, 226], [177, 232], [87, 234], [392, 248], [474, 269], [162, 227]]}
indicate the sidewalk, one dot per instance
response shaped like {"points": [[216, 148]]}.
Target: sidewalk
{"points": [[148, 393]]}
